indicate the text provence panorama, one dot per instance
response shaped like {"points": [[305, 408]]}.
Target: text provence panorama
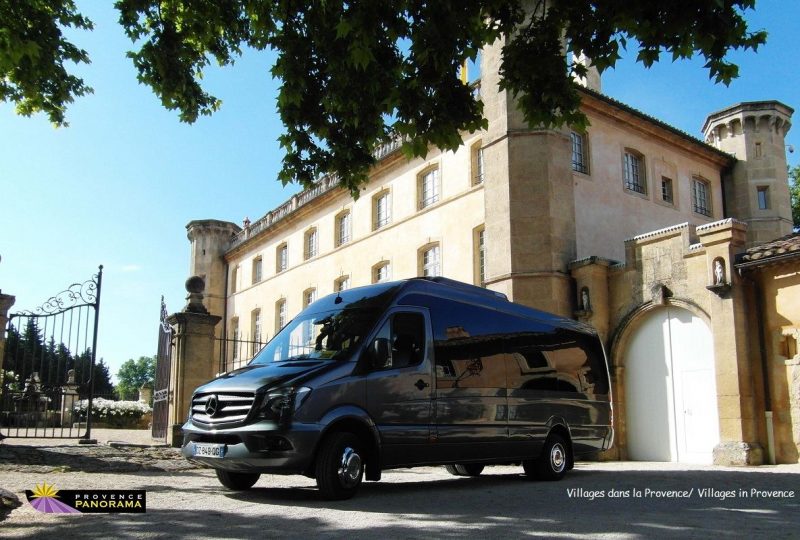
{"points": [[113, 501]]}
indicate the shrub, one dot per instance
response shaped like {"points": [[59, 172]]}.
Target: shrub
{"points": [[113, 413]]}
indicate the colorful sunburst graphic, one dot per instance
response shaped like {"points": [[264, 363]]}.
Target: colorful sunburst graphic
{"points": [[45, 499]]}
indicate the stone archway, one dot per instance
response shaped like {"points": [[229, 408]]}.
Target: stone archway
{"points": [[670, 389]]}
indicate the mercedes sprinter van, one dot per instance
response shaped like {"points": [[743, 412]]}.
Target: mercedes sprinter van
{"points": [[426, 371]]}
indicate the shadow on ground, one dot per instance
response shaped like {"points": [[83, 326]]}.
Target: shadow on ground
{"points": [[500, 505], [91, 458]]}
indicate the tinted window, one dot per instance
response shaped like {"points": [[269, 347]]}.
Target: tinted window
{"points": [[545, 357], [471, 344], [405, 334], [468, 344]]}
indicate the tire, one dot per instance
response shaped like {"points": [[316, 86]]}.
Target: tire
{"points": [[237, 481], [467, 469], [340, 466], [452, 470], [470, 469], [552, 463]]}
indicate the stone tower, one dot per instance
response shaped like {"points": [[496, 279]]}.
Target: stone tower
{"points": [[756, 188], [209, 240], [529, 200]]}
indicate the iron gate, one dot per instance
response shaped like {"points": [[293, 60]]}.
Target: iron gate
{"points": [[161, 384], [49, 363]]}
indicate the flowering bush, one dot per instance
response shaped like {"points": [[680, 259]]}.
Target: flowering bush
{"points": [[113, 412]]}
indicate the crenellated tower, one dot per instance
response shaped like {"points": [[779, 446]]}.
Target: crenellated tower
{"points": [[209, 240], [756, 188]]}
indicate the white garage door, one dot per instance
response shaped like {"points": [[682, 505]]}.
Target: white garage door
{"points": [[670, 390]]}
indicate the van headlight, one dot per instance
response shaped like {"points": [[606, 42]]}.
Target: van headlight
{"points": [[281, 403]]}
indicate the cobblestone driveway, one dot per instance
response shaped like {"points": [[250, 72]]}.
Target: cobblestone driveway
{"points": [[663, 500]]}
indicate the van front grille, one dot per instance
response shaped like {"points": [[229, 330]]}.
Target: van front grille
{"points": [[221, 408]]}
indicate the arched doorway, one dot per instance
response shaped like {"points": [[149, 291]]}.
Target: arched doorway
{"points": [[670, 389]]}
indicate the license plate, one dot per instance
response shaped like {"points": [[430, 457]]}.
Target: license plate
{"points": [[209, 450]]}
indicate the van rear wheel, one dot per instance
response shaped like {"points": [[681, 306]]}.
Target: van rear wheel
{"points": [[237, 481], [340, 466], [467, 469], [552, 462]]}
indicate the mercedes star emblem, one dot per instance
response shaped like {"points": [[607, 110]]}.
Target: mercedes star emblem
{"points": [[212, 405]]}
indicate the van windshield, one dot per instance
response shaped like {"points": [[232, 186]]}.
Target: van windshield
{"points": [[323, 335]]}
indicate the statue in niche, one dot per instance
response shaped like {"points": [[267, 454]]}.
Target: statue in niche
{"points": [[719, 272], [585, 302]]}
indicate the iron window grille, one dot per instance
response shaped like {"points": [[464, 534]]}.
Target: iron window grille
{"points": [[634, 173], [429, 188], [579, 153], [701, 200], [343, 229], [666, 190], [382, 214], [430, 262]]}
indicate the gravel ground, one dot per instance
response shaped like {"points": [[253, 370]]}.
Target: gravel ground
{"points": [[622, 500]]}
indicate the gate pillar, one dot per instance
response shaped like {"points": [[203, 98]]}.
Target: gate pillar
{"points": [[6, 301], [194, 356]]}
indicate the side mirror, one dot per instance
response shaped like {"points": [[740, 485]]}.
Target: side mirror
{"points": [[379, 353]]}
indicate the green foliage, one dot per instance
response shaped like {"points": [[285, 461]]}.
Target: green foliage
{"points": [[133, 374], [27, 352], [33, 51], [354, 74], [794, 192]]}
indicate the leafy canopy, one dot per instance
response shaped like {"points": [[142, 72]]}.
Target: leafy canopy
{"points": [[355, 73], [794, 193], [132, 374]]}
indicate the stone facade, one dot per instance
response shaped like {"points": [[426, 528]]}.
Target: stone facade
{"points": [[772, 274], [542, 215]]}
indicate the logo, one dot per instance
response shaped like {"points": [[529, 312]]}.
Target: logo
{"points": [[212, 405], [49, 500]]}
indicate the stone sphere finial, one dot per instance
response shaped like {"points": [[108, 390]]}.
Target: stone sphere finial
{"points": [[195, 286]]}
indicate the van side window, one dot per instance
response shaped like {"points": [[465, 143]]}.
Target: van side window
{"points": [[555, 360], [405, 333], [468, 345], [408, 339]]}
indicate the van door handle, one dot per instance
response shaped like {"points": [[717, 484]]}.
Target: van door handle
{"points": [[420, 384]]}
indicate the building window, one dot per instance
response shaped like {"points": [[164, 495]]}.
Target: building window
{"points": [[428, 187], [430, 262], [309, 297], [281, 258], [763, 197], [310, 244], [580, 162], [341, 284], [255, 331], [701, 197], [381, 212], [256, 270], [666, 190], [280, 314], [758, 150], [478, 170], [381, 272], [343, 227], [634, 172], [234, 277], [479, 251]]}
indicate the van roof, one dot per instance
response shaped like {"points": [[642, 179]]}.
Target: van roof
{"points": [[450, 289]]}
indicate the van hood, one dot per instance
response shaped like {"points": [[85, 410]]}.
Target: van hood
{"points": [[255, 376]]}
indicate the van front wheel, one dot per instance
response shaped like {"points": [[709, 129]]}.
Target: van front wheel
{"points": [[237, 481], [466, 469], [552, 462], [340, 466]]}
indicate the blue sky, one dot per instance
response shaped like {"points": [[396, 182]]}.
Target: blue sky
{"points": [[120, 184]]}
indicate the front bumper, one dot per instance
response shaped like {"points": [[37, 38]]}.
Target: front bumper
{"points": [[261, 447]]}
